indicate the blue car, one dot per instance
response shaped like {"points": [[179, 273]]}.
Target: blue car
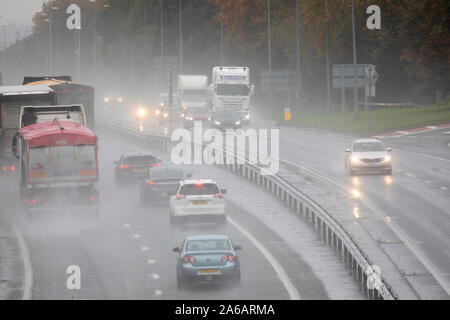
{"points": [[207, 258]]}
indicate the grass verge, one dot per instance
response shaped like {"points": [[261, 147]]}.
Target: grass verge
{"points": [[383, 120]]}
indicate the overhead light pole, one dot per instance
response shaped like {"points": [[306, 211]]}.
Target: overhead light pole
{"points": [[57, 38], [181, 44], [327, 59], [161, 49], [49, 65], [95, 40], [269, 44], [355, 85], [221, 35], [297, 40]]}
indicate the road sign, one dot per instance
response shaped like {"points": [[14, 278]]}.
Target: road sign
{"points": [[282, 80], [343, 75]]}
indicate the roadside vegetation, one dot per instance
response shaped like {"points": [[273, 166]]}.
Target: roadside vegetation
{"points": [[383, 120]]}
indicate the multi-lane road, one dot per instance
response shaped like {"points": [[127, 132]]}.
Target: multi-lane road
{"points": [[128, 253]]}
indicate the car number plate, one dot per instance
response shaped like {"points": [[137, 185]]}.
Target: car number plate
{"points": [[209, 271], [199, 202], [140, 170]]}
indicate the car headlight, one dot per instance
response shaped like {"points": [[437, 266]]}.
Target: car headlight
{"points": [[209, 118], [387, 158], [119, 99], [141, 112], [165, 115], [217, 123], [106, 99], [162, 104], [354, 159], [247, 116], [189, 118], [182, 115], [157, 112], [183, 106], [237, 123]]}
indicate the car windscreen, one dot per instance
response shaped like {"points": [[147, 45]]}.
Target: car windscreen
{"points": [[165, 173], [232, 90], [140, 160], [199, 189], [194, 95], [368, 146], [198, 111], [208, 245]]}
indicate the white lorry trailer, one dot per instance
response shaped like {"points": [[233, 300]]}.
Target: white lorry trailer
{"points": [[231, 90], [193, 91]]}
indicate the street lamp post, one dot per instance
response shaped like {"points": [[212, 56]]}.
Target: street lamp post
{"points": [[57, 38], [181, 45], [327, 59], [161, 48], [49, 65], [221, 36], [95, 39], [297, 38], [355, 88], [269, 53]]}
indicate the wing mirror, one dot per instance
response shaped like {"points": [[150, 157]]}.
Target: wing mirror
{"points": [[223, 191], [14, 146], [389, 149], [347, 150], [176, 249], [237, 247]]}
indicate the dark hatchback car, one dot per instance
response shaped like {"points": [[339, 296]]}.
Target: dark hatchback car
{"points": [[227, 119], [162, 182], [207, 258], [133, 167]]}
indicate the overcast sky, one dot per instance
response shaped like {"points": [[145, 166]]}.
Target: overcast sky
{"points": [[19, 11]]}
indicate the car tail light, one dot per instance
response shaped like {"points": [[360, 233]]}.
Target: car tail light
{"points": [[219, 195], [229, 258], [13, 168], [26, 200], [4, 168], [150, 183], [188, 259], [156, 165], [199, 184], [124, 166], [180, 196], [93, 198], [33, 201]]}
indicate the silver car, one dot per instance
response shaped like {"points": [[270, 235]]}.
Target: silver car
{"points": [[207, 258], [368, 155]]}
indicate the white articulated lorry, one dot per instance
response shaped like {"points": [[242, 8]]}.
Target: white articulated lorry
{"points": [[193, 91], [231, 90]]}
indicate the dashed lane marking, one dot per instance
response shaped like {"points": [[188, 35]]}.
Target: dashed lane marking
{"points": [[150, 261], [136, 236], [409, 174], [144, 248], [444, 188]]}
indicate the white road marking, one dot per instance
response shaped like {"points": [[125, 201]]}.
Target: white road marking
{"points": [[432, 127], [126, 225], [427, 181], [293, 293], [443, 188], [447, 132], [28, 269], [154, 276], [136, 236], [158, 292], [409, 175], [144, 248], [150, 261]]}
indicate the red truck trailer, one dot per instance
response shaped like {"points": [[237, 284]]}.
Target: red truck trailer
{"points": [[58, 167]]}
